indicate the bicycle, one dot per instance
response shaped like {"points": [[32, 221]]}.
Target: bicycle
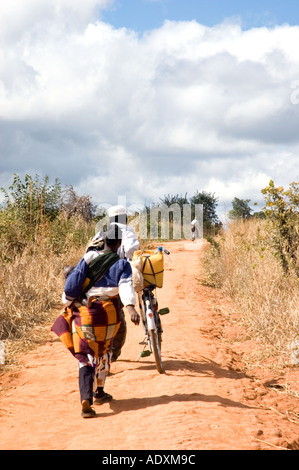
{"points": [[148, 305]]}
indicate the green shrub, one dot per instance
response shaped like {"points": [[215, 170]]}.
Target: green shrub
{"points": [[282, 209]]}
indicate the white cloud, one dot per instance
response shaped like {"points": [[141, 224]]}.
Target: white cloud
{"points": [[183, 108], [18, 17]]}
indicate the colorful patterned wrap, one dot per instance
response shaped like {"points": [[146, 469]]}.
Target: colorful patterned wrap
{"points": [[89, 330]]}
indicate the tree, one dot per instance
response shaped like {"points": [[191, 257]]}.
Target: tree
{"points": [[29, 208], [73, 204], [209, 202], [211, 221], [174, 199], [282, 208], [259, 215], [33, 199], [240, 210]]}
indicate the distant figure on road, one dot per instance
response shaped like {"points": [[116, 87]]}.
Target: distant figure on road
{"points": [[195, 229]]}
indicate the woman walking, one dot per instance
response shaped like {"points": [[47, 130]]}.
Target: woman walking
{"points": [[93, 293]]}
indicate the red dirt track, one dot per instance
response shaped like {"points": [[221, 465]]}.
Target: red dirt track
{"points": [[203, 401]]}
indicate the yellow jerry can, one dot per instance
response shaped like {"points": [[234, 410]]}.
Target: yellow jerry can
{"points": [[152, 267]]}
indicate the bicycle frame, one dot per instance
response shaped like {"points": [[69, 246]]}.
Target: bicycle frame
{"points": [[151, 322], [152, 325]]}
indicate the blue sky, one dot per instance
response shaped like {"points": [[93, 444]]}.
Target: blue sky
{"points": [[109, 98], [142, 15]]}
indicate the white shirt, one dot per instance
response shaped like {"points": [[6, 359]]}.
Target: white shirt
{"points": [[129, 242]]}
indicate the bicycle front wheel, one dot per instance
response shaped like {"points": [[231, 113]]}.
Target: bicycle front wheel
{"points": [[156, 347]]}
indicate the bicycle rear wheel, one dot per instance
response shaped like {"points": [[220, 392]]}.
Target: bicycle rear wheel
{"points": [[156, 347]]}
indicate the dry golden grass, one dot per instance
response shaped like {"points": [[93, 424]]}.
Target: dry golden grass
{"points": [[31, 285], [30, 291], [243, 263]]}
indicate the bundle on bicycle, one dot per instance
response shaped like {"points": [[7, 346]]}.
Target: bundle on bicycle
{"points": [[151, 267]]}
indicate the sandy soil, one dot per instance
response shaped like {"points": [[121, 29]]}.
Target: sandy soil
{"points": [[203, 401]]}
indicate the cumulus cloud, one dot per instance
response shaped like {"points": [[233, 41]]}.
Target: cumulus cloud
{"points": [[181, 108], [18, 17]]}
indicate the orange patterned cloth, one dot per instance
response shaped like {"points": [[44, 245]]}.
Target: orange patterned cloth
{"points": [[89, 330]]}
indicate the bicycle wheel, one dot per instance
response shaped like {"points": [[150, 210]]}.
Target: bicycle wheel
{"points": [[156, 346]]}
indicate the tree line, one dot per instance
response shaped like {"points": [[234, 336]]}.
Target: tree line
{"points": [[35, 207], [34, 203]]}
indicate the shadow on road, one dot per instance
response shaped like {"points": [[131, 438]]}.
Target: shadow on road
{"points": [[191, 368], [133, 404]]}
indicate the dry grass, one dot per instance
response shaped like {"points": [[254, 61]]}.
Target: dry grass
{"points": [[31, 285], [243, 263]]}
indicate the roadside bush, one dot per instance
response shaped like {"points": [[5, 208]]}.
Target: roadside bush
{"points": [[247, 268], [38, 238], [282, 209]]}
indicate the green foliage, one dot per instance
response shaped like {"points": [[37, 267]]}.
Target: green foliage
{"points": [[37, 211], [209, 202], [240, 210], [28, 206], [259, 215], [174, 199], [282, 209], [243, 264], [39, 235], [214, 244], [211, 222], [32, 200]]}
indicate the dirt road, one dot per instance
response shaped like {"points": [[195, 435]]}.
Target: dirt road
{"points": [[203, 401]]}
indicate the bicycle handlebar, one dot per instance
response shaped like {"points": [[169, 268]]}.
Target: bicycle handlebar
{"points": [[160, 248]]}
